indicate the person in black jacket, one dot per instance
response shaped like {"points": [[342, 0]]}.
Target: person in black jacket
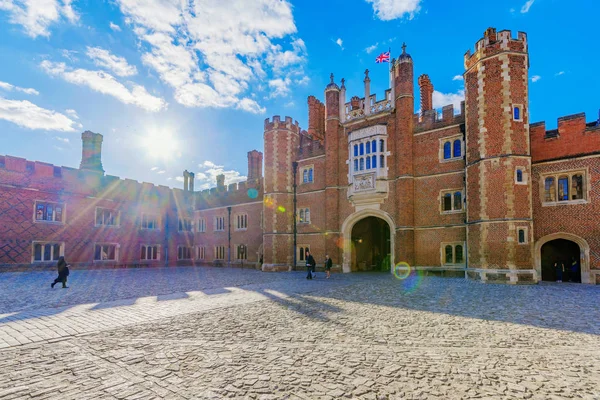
{"points": [[63, 272], [328, 264], [310, 265]]}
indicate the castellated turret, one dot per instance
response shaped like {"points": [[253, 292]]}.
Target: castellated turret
{"points": [[497, 146], [281, 138], [91, 152]]}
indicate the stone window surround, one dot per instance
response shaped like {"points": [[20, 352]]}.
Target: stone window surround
{"points": [[586, 187], [237, 251], [117, 218], [301, 246], [117, 247], [524, 174], [43, 221], [512, 110], [453, 244], [526, 230], [244, 222], [451, 139], [149, 246], [304, 221], [156, 220], [43, 243], [307, 168], [216, 223], [201, 252], [181, 224], [201, 225], [368, 134], [217, 252], [191, 249], [452, 191]]}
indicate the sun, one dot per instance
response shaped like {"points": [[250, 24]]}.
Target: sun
{"points": [[162, 145]]}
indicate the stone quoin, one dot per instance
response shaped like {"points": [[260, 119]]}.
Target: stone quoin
{"points": [[479, 192]]}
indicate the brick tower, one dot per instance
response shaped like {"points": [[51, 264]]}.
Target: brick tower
{"points": [[91, 153], [281, 140], [498, 159], [401, 163]]}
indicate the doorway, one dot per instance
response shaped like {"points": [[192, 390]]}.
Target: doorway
{"points": [[564, 253], [371, 245]]}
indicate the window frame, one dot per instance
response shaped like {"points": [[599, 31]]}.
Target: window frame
{"points": [[377, 145], [117, 224], [443, 246], [307, 172], [452, 193], [556, 175], [301, 253], [216, 254], [54, 203], [237, 252], [304, 211], [191, 250], [201, 225], [450, 142], [147, 246], [156, 221], [182, 224], [200, 252], [524, 176], [520, 108], [216, 223], [526, 234], [43, 243], [243, 218], [117, 247]]}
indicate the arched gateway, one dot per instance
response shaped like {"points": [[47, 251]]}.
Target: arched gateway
{"points": [[563, 247], [368, 238]]}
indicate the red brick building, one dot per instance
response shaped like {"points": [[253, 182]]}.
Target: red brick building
{"points": [[478, 191]]}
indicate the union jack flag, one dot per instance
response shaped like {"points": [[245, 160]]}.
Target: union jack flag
{"points": [[383, 57]]}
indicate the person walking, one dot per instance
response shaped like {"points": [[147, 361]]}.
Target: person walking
{"points": [[310, 265], [558, 269], [328, 264], [63, 272]]}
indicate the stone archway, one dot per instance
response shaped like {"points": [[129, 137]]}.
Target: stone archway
{"points": [[347, 234], [584, 253]]}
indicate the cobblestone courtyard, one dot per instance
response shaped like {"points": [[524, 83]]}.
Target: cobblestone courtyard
{"points": [[195, 333]]}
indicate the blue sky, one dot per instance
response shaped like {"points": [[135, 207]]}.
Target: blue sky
{"points": [[187, 84]]}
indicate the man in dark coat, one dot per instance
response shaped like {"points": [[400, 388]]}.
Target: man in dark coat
{"points": [[310, 265], [328, 264], [63, 272]]}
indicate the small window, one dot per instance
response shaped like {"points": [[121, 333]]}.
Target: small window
{"points": [[201, 225], [457, 148], [517, 113], [43, 252], [219, 252], [381, 145], [356, 165], [201, 253], [355, 150], [368, 148], [563, 188], [241, 221], [447, 202], [185, 225], [549, 190], [149, 221], [184, 253], [219, 223], [107, 217], [362, 164], [149, 252], [448, 254], [374, 161], [374, 146], [242, 252], [305, 176], [362, 149], [301, 252], [49, 212], [447, 151], [577, 187], [452, 201], [381, 161], [522, 236], [458, 254], [458, 201], [368, 162], [519, 175], [310, 175]]}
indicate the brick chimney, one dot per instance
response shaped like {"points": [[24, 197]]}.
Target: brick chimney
{"points": [[426, 93], [255, 160], [91, 153], [221, 182]]}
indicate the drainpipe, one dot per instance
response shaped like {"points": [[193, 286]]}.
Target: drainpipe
{"points": [[295, 170], [229, 237]]}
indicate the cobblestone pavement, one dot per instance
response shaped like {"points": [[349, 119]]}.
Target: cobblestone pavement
{"points": [[279, 336]]}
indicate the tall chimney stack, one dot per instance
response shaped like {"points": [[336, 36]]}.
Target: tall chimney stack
{"points": [[91, 153], [426, 93]]}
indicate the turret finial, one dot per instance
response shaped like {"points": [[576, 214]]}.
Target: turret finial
{"points": [[366, 73], [331, 77], [343, 83], [403, 48]]}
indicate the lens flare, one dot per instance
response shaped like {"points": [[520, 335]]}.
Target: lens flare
{"points": [[402, 270], [269, 202], [281, 209], [252, 193]]}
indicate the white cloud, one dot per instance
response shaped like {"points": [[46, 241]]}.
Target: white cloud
{"points": [[8, 87], [62, 139], [303, 81], [212, 52], [162, 171], [535, 78], [115, 27], [153, 168], [372, 48], [458, 78], [36, 16], [443, 99], [28, 115], [559, 73], [72, 113], [105, 83], [339, 42], [387, 10], [207, 176], [526, 6], [103, 58], [279, 87]]}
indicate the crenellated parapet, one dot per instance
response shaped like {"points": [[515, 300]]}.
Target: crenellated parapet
{"points": [[431, 119], [573, 137], [276, 123], [235, 193], [496, 42]]}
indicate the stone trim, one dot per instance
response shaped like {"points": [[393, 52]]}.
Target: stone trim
{"points": [[587, 275]]}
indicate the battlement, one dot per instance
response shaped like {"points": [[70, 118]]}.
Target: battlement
{"points": [[430, 119], [573, 137], [277, 123], [355, 108], [496, 42], [232, 194]]}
